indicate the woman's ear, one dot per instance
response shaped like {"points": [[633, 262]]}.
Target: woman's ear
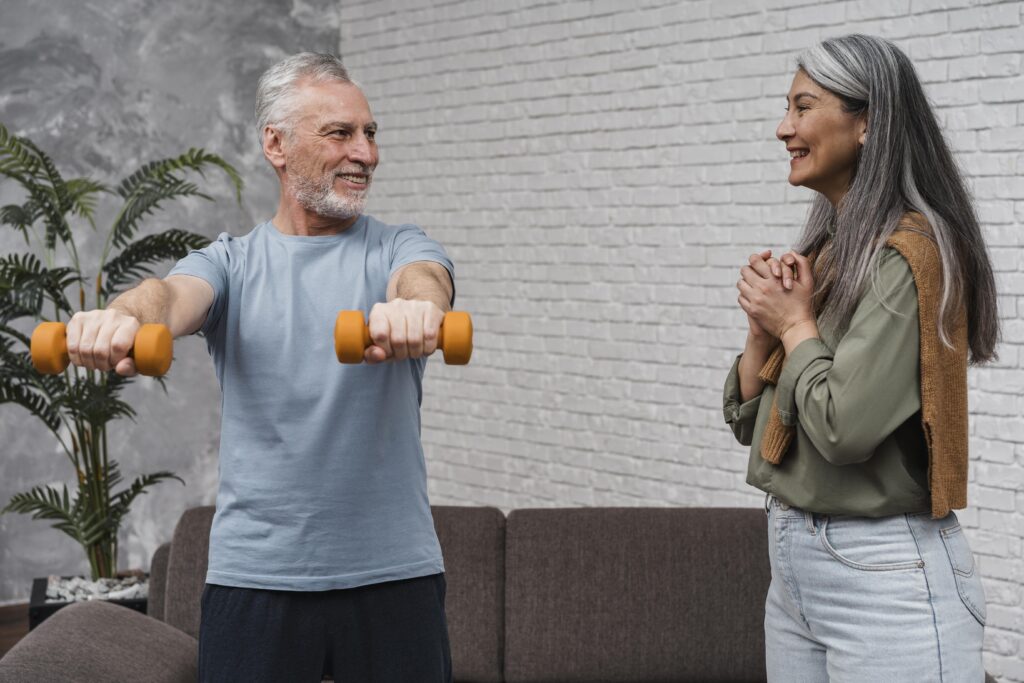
{"points": [[863, 124]]}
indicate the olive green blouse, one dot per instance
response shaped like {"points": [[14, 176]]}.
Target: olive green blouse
{"points": [[859, 447]]}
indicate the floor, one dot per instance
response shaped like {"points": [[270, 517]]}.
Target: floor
{"points": [[13, 625]]}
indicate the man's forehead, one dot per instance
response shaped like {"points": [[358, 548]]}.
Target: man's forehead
{"points": [[333, 101]]}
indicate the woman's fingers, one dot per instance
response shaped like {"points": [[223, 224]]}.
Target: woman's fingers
{"points": [[751, 276], [786, 274], [801, 267], [759, 265]]}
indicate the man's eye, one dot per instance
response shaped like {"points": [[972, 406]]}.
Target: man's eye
{"points": [[371, 135], [340, 133]]}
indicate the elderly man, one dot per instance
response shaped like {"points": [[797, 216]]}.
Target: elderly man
{"points": [[323, 555]]}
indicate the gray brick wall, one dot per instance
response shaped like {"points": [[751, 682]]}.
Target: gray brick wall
{"points": [[599, 171]]}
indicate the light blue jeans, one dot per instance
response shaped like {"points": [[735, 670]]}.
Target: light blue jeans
{"points": [[855, 599]]}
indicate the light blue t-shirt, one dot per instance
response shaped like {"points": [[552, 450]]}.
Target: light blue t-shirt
{"points": [[322, 478]]}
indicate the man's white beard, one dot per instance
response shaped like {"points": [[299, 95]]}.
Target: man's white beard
{"points": [[318, 195]]}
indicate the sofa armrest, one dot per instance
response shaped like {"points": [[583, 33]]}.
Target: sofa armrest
{"points": [[99, 641], [158, 582]]}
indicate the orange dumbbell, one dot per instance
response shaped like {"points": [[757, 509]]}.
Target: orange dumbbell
{"points": [[152, 351], [455, 338]]}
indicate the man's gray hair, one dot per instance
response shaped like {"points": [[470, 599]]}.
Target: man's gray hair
{"points": [[275, 93]]}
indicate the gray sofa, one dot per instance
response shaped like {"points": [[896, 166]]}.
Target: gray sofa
{"points": [[592, 594]]}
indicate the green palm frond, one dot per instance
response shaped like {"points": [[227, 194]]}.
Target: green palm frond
{"points": [[78, 519], [157, 181], [16, 367], [35, 403], [17, 160], [55, 222], [122, 500], [27, 284], [82, 196], [8, 333], [133, 263], [12, 308], [93, 403], [44, 502], [21, 217], [52, 195]]}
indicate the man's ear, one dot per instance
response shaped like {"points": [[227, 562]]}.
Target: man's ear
{"points": [[273, 146]]}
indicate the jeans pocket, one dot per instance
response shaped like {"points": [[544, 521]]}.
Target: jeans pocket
{"points": [[968, 582], [873, 545]]}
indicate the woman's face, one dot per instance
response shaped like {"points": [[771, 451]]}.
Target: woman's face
{"points": [[821, 138]]}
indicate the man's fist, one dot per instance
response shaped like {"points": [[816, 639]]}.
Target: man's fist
{"points": [[101, 340], [402, 329]]}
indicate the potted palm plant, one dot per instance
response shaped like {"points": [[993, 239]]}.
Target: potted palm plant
{"points": [[48, 282]]}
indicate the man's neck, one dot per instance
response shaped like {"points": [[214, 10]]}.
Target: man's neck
{"points": [[292, 219]]}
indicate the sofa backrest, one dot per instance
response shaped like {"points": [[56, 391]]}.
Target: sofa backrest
{"points": [[158, 581], [186, 569], [635, 594], [473, 544], [591, 594]]}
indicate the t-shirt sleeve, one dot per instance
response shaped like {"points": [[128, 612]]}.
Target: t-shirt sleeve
{"points": [[211, 264], [411, 244]]}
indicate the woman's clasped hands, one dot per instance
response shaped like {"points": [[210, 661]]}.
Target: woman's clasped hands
{"points": [[777, 296]]}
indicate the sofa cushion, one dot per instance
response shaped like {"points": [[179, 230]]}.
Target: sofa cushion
{"points": [[186, 569], [635, 594], [473, 543], [100, 641]]}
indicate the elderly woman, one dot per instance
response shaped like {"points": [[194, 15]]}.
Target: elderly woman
{"points": [[852, 387]]}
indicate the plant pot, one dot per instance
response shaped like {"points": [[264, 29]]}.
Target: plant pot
{"points": [[39, 609]]}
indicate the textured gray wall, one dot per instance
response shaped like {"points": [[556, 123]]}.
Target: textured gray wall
{"points": [[104, 87]]}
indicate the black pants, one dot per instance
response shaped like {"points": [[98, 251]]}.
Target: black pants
{"points": [[382, 633]]}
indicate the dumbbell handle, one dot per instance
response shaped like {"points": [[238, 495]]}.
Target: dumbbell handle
{"points": [[352, 337], [153, 349]]}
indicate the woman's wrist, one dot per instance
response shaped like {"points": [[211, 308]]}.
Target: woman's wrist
{"points": [[797, 333], [761, 343]]}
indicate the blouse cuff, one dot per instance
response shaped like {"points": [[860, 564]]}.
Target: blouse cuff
{"points": [[797, 362], [735, 410]]}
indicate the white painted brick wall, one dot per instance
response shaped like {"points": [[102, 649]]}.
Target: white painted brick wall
{"points": [[599, 170]]}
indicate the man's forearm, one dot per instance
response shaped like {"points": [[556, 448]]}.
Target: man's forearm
{"points": [[425, 281], [149, 302]]}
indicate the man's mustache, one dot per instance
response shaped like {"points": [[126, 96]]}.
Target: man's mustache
{"points": [[359, 169]]}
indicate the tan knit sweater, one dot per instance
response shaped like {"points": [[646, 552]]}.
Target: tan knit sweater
{"points": [[943, 376]]}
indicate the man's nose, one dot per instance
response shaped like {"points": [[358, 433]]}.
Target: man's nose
{"points": [[362, 150]]}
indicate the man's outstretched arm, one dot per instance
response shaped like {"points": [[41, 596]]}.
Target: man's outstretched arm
{"points": [[101, 339]]}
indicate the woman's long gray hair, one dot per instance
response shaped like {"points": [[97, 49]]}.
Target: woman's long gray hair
{"points": [[904, 165]]}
